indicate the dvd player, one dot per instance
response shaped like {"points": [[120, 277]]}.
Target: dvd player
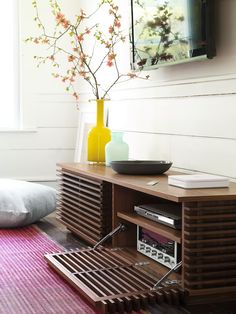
{"points": [[167, 214]]}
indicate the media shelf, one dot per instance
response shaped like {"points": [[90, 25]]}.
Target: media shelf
{"points": [[93, 200], [153, 226]]}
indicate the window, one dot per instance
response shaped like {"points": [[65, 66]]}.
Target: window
{"points": [[9, 74]]}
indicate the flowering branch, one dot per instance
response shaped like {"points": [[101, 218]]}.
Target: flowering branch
{"points": [[70, 40]]}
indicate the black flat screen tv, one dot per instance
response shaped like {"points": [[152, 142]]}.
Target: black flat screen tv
{"points": [[165, 32]]}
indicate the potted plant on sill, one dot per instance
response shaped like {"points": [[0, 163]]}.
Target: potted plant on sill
{"points": [[90, 52]]}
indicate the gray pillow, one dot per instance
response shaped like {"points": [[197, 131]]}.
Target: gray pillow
{"points": [[23, 203]]}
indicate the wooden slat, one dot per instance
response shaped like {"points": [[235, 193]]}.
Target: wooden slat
{"points": [[64, 179], [222, 208], [81, 232], [81, 195], [80, 214], [191, 259], [207, 283], [65, 173], [190, 242], [221, 217], [210, 266], [97, 229], [216, 233], [76, 188], [212, 225], [80, 228], [213, 250], [79, 200], [79, 206]]}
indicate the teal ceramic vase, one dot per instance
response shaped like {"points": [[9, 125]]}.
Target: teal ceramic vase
{"points": [[116, 149]]}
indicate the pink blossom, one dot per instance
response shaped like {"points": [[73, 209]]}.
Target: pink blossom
{"points": [[111, 56], [110, 63], [65, 78], [60, 18], [82, 73], [76, 96], [71, 58], [117, 23], [80, 37], [111, 29]]}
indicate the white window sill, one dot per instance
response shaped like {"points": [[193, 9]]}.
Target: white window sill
{"points": [[30, 130]]}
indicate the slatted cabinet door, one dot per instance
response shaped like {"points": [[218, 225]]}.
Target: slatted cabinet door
{"points": [[84, 205], [110, 282]]}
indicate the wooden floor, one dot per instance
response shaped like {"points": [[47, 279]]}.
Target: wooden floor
{"points": [[55, 230], [59, 233]]}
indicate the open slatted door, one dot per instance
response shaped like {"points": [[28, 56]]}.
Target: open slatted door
{"points": [[84, 205], [110, 282]]}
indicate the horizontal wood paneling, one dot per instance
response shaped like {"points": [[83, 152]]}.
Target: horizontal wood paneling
{"points": [[180, 112], [56, 113], [215, 156], [186, 152], [212, 116], [173, 88], [42, 138], [197, 133], [148, 146], [32, 164]]}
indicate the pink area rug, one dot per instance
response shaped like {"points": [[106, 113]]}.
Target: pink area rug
{"points": [[27, 284]]}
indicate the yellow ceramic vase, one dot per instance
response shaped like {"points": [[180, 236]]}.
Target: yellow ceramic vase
{"points": [[98, 136]]}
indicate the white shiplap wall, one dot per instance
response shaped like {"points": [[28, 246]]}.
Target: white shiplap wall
{"points": [[185, 113], [191, 124]]}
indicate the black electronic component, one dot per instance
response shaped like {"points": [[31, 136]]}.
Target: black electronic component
{"points": [[167, 214]]}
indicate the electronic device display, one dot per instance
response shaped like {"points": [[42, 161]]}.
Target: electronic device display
{"points": [[171, 32], [161, 249], [167, 214]]}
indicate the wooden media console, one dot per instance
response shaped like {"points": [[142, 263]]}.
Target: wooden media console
{"points": [[93, 200]]}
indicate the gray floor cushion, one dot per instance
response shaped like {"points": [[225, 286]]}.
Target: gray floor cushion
{"points": [[23, 203]]}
